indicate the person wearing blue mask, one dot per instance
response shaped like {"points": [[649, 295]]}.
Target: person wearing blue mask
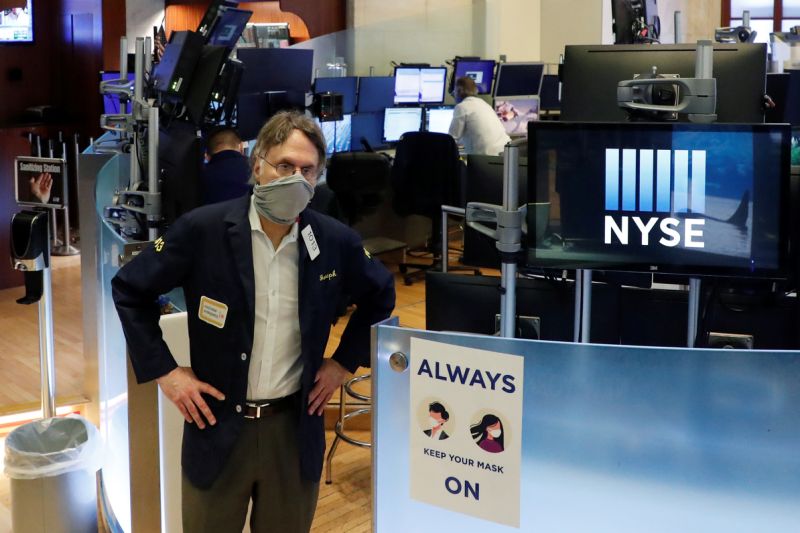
{"points": [[262, 275]]}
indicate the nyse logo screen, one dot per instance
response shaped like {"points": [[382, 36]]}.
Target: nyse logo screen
{"points": [[655, 197]]}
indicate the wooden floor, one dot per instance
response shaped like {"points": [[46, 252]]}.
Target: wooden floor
{"points": [[344, 506], [19, 340]]}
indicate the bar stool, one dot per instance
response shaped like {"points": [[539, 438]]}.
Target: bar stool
{"points": [[346, 391]]}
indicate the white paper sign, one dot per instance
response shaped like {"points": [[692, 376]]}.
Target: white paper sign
{"points": [[466, 430]]}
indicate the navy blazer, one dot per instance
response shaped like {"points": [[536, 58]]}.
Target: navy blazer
{"points": [[226, 176], [209, 253]]}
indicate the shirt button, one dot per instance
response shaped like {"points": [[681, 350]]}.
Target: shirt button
{"points": [[238, 408], [244, 357]]}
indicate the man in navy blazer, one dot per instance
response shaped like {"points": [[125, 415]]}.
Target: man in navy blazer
{"points": [[226, 173], [262, 286]]}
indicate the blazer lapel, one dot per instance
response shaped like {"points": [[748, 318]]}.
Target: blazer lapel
{"points": [[239, 233]]}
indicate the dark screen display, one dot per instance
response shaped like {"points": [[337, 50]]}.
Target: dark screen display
{"points": [[345, 86], [275, 69], [375, 93], [229, 27], [367, 127], [675, 198], [481, 71], [591, 75], [518, 79]]}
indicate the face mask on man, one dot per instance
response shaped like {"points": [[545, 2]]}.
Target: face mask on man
{"points": [[281, 200]]}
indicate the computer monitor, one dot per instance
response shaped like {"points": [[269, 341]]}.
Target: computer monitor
{"points": [[550, 97], [591, 75], [481, 71], [438, 119], [346, 86], [16, 24], [366, 127], [696, 199], [471, 304], [792, 111], [414, 85], [399, 120], [229, 27], [518, 79], [515, 113], [337, 134], [778, 91], [276, 69], [375, 93]]}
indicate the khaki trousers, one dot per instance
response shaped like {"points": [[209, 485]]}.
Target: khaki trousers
{"points": [[265, 467]]}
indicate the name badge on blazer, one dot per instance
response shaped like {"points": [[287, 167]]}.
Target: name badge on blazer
{"points": [[311, 242], [212, 312]]}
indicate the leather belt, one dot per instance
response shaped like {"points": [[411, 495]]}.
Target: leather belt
{"points": [[259, 409]]}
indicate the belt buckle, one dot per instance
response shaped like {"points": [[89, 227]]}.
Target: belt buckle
{"points": [[258, 410]]}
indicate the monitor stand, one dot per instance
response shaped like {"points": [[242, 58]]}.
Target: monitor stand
{"points": [[694, 311]]}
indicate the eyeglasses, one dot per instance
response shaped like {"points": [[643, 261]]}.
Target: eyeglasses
{"points": [[285, 170]]}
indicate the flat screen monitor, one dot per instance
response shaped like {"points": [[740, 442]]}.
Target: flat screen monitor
{"points": [[414, 85], [778, 91], [792, 110], [399, 120], [229, 27], [515, 113], [338, 134], [16, 24], [438, 119], [591, 74], [111, 103], [481, 71], [795, 148], [551, 93], [375, 93], [518, 79], [346, 86], [276, 69], [697, 199], [366, 127]]}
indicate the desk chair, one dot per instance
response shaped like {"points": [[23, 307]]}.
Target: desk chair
{"points": [[360, 181], [426, 174]]}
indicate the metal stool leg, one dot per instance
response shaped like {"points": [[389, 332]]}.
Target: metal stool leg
{"points": [[345, 391], [336, 439]]}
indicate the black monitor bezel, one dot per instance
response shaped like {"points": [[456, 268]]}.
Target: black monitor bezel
{"points": [[419, 127], [427, 109], [459, 61], [419, 102], [782, 271], [499, 71]]}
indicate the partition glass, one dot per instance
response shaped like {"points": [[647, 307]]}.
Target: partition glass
{"points": [[613, 439]]}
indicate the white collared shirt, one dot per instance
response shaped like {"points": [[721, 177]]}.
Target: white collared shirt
{"points": [[477, 127], [276, 365]]}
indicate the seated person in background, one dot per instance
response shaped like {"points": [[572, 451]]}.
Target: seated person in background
{"points": [[226, 174], [475, 124]]}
